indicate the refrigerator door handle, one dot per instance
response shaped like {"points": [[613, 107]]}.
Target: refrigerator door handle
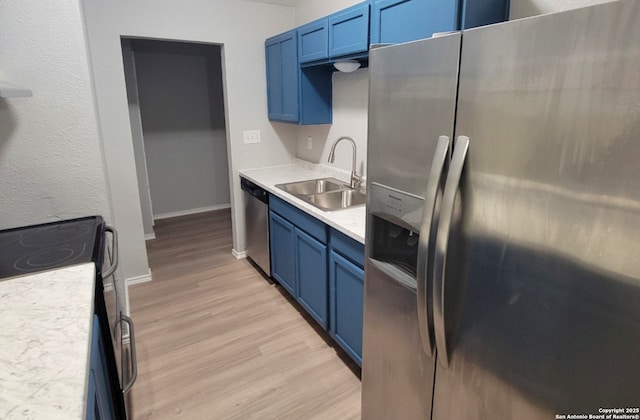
{"points": [[423, 272], [442, 240]]}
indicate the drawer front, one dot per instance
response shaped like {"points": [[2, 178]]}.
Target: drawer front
{"points": [[299, 218], [347, 246]]}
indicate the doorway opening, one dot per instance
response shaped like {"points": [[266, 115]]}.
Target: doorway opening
{"points": [[176, 103]]}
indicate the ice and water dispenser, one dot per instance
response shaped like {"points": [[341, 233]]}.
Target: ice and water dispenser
{"points": [[395, 218]]}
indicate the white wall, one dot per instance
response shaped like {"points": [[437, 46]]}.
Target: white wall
{"points": [[308, 10], [182, 109], [350, 106], [50, 157], [242, 27], [526, 8]]}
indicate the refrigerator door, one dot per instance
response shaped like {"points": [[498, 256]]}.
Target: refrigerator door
{"points": [[411, 110], [540, 313]]}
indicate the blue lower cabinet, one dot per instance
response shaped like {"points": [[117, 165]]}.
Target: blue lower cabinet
{"points": [[311, 259], [346, 281], [99, 399], [282, 244]]}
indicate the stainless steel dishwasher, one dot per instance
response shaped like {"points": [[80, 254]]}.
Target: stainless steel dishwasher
{"points": [[256, 216]]}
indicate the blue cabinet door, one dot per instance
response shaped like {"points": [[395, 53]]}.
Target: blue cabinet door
{"points": [[290, 77], [313, 41], [99, 399], [346, 289], [311, 260], [274, 79], [395, 21], [282, 77], [281, 242], [349, 31]]}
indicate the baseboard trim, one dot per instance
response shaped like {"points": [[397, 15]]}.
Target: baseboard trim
{"points": [[238, 255], [139, 279], [191, 211], [150, 236]]}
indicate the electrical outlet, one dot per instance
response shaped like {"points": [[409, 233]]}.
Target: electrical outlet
{"points": [[309, 143], [251, 136]]}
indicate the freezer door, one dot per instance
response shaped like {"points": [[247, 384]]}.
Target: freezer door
{"points": [[411, 114], [412, 99], [541, 313]]}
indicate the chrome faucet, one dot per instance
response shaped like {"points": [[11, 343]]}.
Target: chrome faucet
{"points": [[356, 180]]}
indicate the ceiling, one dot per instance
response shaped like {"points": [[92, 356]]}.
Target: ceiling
{"points": [[280, 2]]}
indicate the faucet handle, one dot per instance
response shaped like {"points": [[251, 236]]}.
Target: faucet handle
{"points": [[356, 181]]}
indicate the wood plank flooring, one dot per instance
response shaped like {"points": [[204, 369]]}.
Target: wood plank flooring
{"points": [[215, 340]]}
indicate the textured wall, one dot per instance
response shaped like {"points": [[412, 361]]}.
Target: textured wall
{"points": [[50, 156]]}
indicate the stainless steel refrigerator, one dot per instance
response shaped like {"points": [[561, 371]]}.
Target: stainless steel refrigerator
{"points": [[502, 276]]}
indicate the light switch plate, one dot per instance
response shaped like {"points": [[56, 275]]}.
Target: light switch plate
{"points": [[251, 136]]}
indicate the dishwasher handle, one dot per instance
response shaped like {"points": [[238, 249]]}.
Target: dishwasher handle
{"points": [[254, 190]]}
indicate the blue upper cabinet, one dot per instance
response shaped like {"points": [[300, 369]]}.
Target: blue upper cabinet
{"points": [[395, 21], [349, 31], [283, 78], [295, 95], [313, 41]]}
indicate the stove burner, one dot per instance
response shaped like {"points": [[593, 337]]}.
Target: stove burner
{"points": [[30, 249], [48, 258], [57, 234]]}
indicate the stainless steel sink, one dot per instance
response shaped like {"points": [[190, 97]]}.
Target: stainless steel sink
{"points": [[336, 200], [313, 186], [326, 193]]}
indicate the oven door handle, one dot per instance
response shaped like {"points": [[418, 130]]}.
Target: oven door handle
{"points": [[114, 251], [134, 358]]}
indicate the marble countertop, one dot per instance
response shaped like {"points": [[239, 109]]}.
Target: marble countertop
{"points": [[351, 221], [45, 343]]}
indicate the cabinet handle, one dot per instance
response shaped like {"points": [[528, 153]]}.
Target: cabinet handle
{"points": [[114, 248], [134, 359], [442, 242], [423, 269]]}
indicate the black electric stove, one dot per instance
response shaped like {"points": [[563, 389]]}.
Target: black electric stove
{"points": [[31, 249], [41, 247]]}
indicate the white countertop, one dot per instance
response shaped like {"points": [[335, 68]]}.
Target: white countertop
{"points": [[351, 221], [45, 343]]}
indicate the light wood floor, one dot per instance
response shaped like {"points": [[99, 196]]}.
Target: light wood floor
{"points": [[215, 340]]}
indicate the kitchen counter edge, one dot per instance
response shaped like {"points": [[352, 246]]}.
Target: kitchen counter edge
{"points": [[351, 221]]}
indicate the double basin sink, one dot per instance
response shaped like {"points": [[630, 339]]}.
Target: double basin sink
{"points": [[326, 193]]}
